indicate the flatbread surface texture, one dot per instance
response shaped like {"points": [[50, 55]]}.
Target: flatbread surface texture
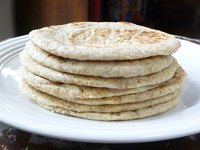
{"points": [[50, 103], [75, 91], [106, 69], [104, 41], [51, 100], [114, 83], [167, 87]]}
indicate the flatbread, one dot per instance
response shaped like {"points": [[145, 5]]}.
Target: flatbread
{"points": [[106, 69], [41, 97], [114, 83], [104, 41], [171, 86], [75, 91], [127, 115]]}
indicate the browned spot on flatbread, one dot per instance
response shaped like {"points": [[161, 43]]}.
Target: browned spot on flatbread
{"points": [[102, 32], [150, 37], [102, 36]]}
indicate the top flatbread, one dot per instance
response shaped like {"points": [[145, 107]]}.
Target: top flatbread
{"points": [[104, 41]]}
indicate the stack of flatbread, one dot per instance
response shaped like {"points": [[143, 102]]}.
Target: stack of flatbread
{"points": [[102, 71]]}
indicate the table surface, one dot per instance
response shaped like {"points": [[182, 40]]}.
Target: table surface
{"points": [[15, 139]]}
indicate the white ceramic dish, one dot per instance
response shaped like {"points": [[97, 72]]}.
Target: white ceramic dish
{"points": [[18, 111]]}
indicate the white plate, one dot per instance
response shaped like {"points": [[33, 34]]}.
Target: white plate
{"points": [[17, 110]]}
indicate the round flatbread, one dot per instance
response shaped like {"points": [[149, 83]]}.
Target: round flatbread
{"points": [[127, 115], [104, 41], [41, 97], [114, 83], [168, 87], [75, 91], [106, 69]]}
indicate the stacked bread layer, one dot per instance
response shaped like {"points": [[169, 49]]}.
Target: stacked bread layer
{"points": [[61, 75]]}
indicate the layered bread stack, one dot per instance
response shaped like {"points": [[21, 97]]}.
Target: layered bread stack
{"points": [[102, 71]]}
